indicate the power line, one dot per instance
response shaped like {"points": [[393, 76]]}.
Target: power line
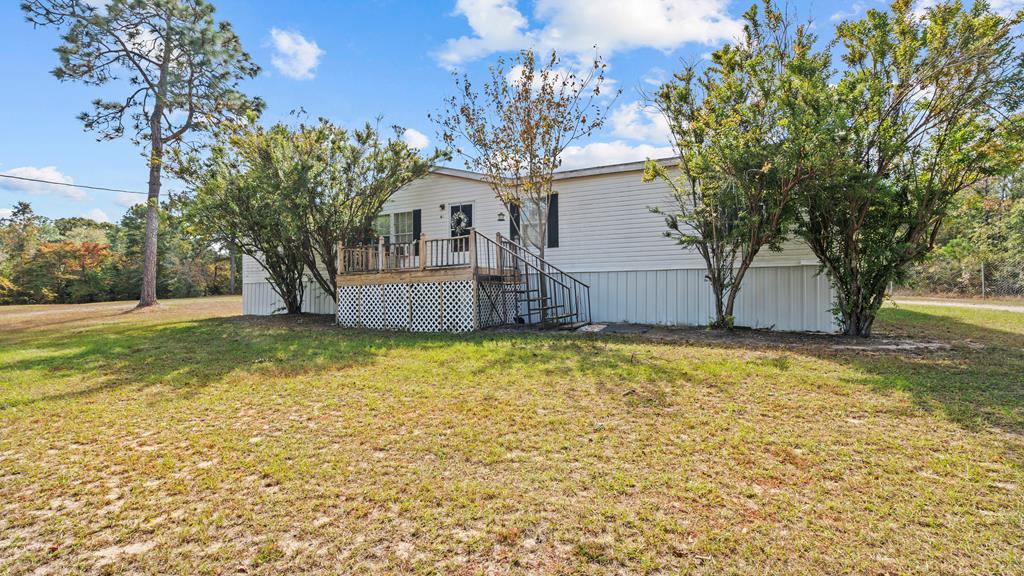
{"points": [[72, 185]]}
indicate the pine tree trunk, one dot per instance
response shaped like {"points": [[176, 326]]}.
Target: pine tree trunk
{"points": [[148, 293], [147, 297]]}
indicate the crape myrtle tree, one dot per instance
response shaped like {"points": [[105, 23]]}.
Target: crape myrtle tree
{"points": [[240, 198], [350, 175], [930, 106], [178, 70], [515, 129], [747, 129], [287, 196]]}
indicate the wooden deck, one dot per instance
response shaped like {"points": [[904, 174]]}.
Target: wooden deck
{"points": [[459, 283], [415, 275], [423, 260]]}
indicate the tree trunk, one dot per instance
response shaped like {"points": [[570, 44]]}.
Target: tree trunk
{"points": [[857, 322], [718, 290], [231, 270], [147, 296], [148, 293], [859, 316], [293, 303]]}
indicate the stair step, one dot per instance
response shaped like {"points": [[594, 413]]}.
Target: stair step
{"points": [[573, 326]]}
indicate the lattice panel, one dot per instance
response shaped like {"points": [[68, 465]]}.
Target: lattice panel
{"points": [[420, 307], [348, 306], [425, 304], [395, 300], [496, 304], [372, 308], [457, 312]]}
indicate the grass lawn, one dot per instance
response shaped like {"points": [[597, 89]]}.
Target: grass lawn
{"points": [[189, 440]]}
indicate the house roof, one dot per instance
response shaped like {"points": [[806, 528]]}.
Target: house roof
{"points": [[561, 175]]}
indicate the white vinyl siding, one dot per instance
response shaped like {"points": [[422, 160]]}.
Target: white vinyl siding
{"points": [[605, 224]]}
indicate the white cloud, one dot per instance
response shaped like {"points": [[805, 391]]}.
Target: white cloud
{"points": [[6, 212], [637, 121], [655, 77], [840, 15], [97, 215], [1006, 7], [39, 188], [1002, 7], [497, 26], [128, 200], [415, 138], [576, 26], [605, 153], [296, 57]]}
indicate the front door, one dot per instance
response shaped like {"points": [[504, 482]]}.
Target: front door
{"points": [[461, 220]]}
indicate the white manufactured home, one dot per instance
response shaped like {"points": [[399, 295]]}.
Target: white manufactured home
{"points": [[449, 259]]}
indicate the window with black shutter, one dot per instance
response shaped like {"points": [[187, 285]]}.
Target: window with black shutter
{"points": [[527, 217]]}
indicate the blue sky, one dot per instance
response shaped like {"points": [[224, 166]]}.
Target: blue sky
{"points": [[352, 61]]}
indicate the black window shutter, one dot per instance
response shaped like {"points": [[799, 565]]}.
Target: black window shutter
{"points": [[553, 221], [417, 229], [513, 222]]}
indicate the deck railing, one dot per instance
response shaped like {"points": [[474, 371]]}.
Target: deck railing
{"points": [[397, 256]]}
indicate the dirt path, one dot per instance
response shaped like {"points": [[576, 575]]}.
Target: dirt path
{"points": [[957, 304]]}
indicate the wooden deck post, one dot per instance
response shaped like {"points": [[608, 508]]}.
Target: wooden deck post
{"points": [[498, 255], [341, 257], [423, 251], [380, 254], [472, 250], [476, 280]]}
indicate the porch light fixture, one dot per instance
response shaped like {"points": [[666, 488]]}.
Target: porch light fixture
{"points": [[501, 216]]}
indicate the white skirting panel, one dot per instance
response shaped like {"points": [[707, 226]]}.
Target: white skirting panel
{"points": [[780, 297], [792, 298], [259, 299]]}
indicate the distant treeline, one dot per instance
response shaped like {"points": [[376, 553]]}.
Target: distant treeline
{"points": [[982, 234], [70, 260]]}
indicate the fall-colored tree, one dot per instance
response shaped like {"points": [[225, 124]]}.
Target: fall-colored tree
{"points": [[64, 272], [515, 130]]}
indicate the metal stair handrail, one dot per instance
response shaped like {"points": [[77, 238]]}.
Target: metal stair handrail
{"points": [[575, 290]]}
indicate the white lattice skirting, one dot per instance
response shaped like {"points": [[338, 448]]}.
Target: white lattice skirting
{"points": [[496, 305], [420, 307]]}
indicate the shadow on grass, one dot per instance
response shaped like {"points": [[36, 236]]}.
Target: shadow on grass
{"points": [[973, 386], [978, 384], [184, 357]]}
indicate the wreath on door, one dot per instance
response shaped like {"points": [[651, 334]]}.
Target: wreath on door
{"points": [[460, 223]]}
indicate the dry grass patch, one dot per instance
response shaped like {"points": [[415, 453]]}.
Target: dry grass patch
{"points": [[185, 442]]}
